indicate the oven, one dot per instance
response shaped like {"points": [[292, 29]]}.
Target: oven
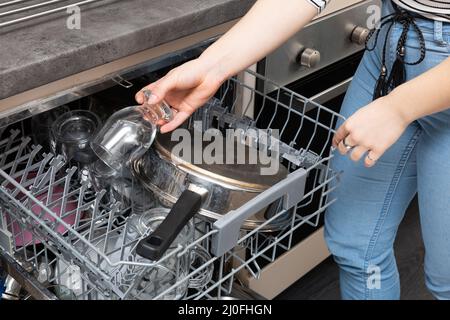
{"points": [[307, 77]]}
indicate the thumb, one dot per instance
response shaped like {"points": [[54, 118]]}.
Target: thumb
{"points": [[159, 90], [178, 120]]}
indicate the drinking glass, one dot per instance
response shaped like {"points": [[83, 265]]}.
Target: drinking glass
{"points": [[130, 132], [72, 133], [175, 268]]}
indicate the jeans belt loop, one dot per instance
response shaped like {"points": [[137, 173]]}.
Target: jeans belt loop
{"points": [[438, 35]]}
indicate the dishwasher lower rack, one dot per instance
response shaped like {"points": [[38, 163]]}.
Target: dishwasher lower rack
{"points": [[54, 225]]}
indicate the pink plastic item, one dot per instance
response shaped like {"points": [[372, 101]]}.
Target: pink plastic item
{"points": [[25, 237]]}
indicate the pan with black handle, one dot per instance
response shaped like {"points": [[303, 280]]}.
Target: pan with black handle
{"points": [[188, 204]]}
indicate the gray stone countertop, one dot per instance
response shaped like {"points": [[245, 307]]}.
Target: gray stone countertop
{"points": [[41, 51]]}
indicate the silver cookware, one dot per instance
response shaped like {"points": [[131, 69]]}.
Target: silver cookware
{"points": [[12, 289], [212, 190]]}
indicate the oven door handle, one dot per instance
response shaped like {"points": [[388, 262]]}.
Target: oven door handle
{"points": [[332, 92]]}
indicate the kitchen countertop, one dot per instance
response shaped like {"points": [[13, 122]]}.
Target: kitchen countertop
{"points": [[44, 51]]}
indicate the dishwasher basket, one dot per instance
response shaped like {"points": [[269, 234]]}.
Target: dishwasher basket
{"points": [[56, 226]]}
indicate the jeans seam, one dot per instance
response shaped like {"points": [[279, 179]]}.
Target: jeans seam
{"points": [[387, 205], [391, 45]]}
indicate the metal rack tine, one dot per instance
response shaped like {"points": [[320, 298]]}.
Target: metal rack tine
{"points": [[34, 6], [4, 4], [39, 14]]}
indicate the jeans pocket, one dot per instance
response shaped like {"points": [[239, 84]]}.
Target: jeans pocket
{"points": [[435, 53], [436, 44]]}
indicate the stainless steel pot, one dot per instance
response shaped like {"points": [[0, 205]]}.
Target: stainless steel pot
{"points": [[212, 190], [12, 289]]}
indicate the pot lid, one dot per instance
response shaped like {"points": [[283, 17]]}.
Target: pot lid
{"points": [[238, 171]]}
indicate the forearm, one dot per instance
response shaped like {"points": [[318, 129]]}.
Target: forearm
{"points": [[266, 26], [428, 93]]}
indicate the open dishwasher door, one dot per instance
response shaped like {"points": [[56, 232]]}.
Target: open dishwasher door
{"points": [[79, 241]]}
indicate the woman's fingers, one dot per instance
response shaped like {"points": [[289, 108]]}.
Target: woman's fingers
{"points": [[178, 120], [159, 89], [371, 159], [357, 153], [140, 94], [342, 149], [340, 134], [346, 144]]}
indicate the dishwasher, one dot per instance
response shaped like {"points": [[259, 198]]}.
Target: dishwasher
{"points": [[64, 237]]}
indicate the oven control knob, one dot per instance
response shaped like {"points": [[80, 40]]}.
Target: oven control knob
{"points": [[309, 58], [359, 35]]}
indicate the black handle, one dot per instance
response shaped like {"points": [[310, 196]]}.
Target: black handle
{"points": [[155, 245]]}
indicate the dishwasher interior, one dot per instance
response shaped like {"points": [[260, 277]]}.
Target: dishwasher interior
{"points": [[70, 232]]}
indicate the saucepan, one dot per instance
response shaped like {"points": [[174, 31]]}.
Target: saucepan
{"points": [[211, 190]]}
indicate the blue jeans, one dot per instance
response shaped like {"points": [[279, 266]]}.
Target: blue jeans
{"points": [[361, 226]]}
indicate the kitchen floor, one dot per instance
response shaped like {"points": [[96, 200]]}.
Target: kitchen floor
{"points": [[322, 283]]}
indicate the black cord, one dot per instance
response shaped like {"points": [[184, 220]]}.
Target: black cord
{"points": [[388, 81]]}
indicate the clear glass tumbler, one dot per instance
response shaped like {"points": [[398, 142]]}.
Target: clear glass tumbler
{"points": [[175, 268], [130, 132], [71, 134]]}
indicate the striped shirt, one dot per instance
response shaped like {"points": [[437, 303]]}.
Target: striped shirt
{"points": [[433, 9]]}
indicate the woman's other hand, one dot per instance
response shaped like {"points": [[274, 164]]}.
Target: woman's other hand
{"points": [[371, 131]]}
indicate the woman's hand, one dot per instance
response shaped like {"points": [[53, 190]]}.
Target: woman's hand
{"points": [[265, 27], [371, 131], [185, 88], [377, 126]]}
